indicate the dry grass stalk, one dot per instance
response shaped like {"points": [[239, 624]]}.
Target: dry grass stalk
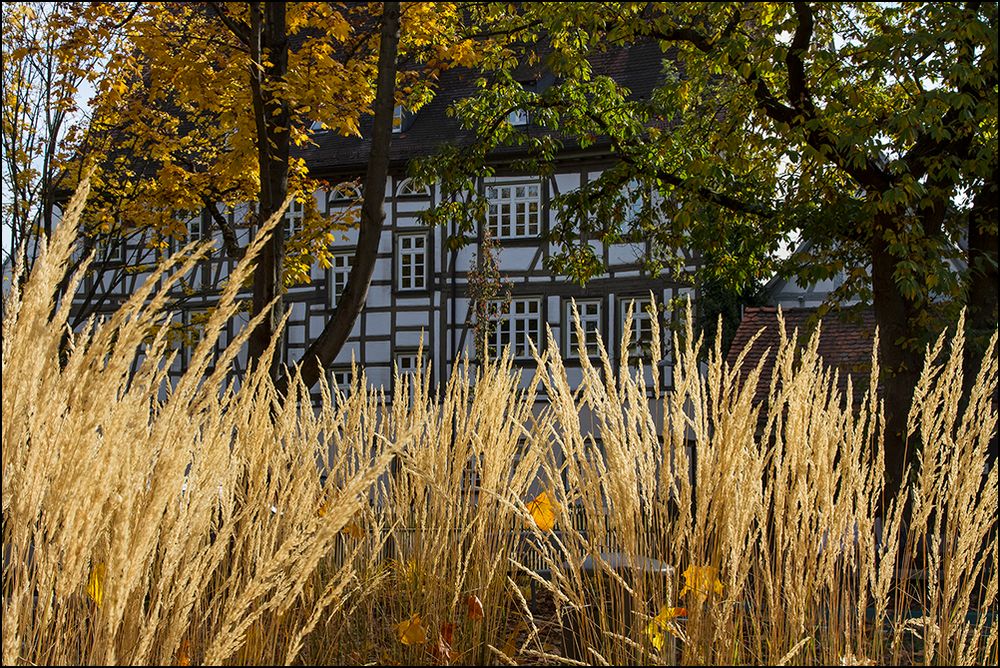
{"points": [[144, 522]]}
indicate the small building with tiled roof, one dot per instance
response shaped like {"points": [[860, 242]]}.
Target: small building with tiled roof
{"points": [[846, 342]]}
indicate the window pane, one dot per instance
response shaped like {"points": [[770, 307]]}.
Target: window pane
{"points": [[514, 210]]}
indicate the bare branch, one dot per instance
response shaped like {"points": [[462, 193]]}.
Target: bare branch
{"points": [[239, 29], [228, 234]]}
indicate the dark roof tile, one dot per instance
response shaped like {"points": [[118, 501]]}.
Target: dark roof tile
{"points": [[845, 343], [637, 68]]}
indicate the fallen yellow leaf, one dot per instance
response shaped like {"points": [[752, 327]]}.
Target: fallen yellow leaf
{"points": [[411, 631], [353, 530], [95, 585], [183, 654], [702, 580], [660, 624], [543, 511]]}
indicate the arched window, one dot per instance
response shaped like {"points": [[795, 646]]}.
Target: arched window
{"points": [[408, 188], [344, 194]]}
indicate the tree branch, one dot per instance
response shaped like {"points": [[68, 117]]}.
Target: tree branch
{"points": [[228, 234], [240, 30], [867, 172], [322, 351], [713, 196], [798, 92]]}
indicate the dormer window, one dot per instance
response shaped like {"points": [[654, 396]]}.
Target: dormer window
{"points": [[518, 117], [397, 118]]}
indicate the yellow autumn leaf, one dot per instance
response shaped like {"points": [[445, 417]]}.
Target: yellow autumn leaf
{"points": [[655, 633], [183, 654], [407, 573], [95, 585], [660, 624], [352, 530], [412, 631], [702, 580], [543, 511]]}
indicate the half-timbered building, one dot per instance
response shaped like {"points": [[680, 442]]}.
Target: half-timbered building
{"points": [[419, 290]]}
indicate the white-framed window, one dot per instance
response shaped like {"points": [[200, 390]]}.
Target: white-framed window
{"points": [[642, 326], [197, 322], [343, 195], [340, 378], [407, 188], [521, 323], [411, 261], [406, 362], [590, 319], [111, 250], [398, 113], [197, 318], [193, 228], [340, 269], [293, 217], [518, 117], [514, 210], [635, 196], [406, 367]]}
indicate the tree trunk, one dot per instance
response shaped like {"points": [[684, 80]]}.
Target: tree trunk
{"points": [[981, 316], [269, 39], [324, 349], [900, 365]]}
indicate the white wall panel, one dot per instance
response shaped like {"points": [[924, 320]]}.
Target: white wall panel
{"points": [[379, 296], [377, 352], [412, 318], [378, 323], [345, 355], [517, 259], [407, 339], [624, 254]]}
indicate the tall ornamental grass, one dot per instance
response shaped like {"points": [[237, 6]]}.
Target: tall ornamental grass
{"points": [[190, 522]]}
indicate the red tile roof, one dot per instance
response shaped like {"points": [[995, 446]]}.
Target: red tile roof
{"points": [[845, 342]]}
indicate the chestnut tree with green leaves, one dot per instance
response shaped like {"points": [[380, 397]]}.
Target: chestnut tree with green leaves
{"points": [[864, 134]]}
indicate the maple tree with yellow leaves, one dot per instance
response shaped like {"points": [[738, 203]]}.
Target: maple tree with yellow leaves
{"points": [[202, 106]]}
